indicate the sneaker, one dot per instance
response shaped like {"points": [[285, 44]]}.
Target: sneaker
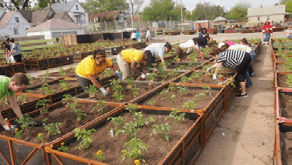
{"points": [[241, 96]]}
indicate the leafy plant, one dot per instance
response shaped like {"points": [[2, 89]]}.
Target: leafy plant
{"points": [[62, 71], [91, 90], [53, 128], [21, 98], [190, 105], [101, 104], [206, 89], [140, 120], [30, 79], [4, 101], [177, 115], [100, 156], [63, 147], [162, 130], [172, 98], [45, 88], [182, 90], [67, 99], [25, 121], [18, 133], [45, 76], [85, 137], [80, 113], [151, 102], [117, 122], [129, 129], [134, 149], [41, 137], [132, 107], [64, 84], [44, 103]]}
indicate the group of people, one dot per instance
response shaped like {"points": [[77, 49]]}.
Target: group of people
{"points": [[11, 50], [139, 35], [132, 63]]}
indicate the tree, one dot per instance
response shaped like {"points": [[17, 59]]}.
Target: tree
{"points": [[97, 6], [44, 3], [15, 4], [283, 2], [162, 10], [238, 12], [206, 11]]}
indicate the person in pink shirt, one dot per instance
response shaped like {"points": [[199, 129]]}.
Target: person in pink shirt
{"points": [[267, 30]]}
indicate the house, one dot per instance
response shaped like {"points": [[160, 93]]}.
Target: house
{"points": [[273, 13], [36, 17], [111, 16], [56, 28], [12, 24], [74, 10]]}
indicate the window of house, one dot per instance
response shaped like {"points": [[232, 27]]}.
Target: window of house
{"points": [[15, 31], [258, 18], [76, 7], [268, 18], [17, 19]]}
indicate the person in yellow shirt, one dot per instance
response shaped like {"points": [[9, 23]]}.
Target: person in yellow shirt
{"points": [[127, 60], [88, 70]]}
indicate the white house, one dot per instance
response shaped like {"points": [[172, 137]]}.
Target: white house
{"points": [[12, 24], [273, 13], [56, 28], [74, 10]]}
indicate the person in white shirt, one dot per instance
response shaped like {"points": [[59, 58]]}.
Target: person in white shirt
{"points": [[133, 36], [148, 35], [156, 50]]}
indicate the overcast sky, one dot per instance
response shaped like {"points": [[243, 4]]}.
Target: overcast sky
{"points": [[227, 4]]}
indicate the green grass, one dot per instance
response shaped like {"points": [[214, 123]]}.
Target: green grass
{"points": [[38, 41], [37, 47]]}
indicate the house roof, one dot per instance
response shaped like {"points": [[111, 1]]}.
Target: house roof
{"points": [[27, 14], [55, 24], [59, 15], [114, 14], [218, 19], [264, 11], [60, 7], [6, 17], [39, 16]]}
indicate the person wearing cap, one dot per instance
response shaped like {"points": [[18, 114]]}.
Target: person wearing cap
{"points": [[89, 69], [156, 50], [127, 61], [194, 44], [267, 29]]}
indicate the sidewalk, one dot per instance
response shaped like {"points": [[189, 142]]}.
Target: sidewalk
{"points": [[245, 134]]}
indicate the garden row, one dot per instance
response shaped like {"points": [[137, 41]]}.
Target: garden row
{"points": [[165, 119], [57, 56], [282, 64]]}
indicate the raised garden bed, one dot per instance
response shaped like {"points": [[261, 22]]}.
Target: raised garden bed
{"points": [[281, 80], [183, 145], [283, 104], [189, 32], [10, 69]]}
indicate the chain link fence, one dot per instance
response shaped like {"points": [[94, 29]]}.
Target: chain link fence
{"points": [[157, 25]]}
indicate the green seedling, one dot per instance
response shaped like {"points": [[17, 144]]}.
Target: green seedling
{"points": [[64, 84], [91, 90], [132, 108], [134, 149], [85, 137], [177, 115], [25, 121], [53, 128], [45, 88], [190, 105], [62, 71], [151, 102], [44, 103], [117, 122], [162, 130]]}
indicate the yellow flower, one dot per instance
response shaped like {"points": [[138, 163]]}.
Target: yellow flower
{"points": [[137, 162], [16, 129], [99, 152], [62, 143], [40, 134]]}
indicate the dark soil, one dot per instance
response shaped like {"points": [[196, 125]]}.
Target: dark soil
{"points": [[37, 82], [282, 81], [69, 73], [183, 66], [63, 115], [113, 146], [280, 59], [127, 93], [57, 87], [280, 68], [159, 78], [286, 105], [206, 80], [164, 100]]}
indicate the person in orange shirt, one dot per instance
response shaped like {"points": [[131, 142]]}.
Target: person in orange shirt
{"points": [[128, 59], [89, 69], [267, 30]]}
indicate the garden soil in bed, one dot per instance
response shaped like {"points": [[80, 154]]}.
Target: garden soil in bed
{"points": [[286, 105], [38, 82], [69, 73], [282, 79], [113, 146], [57, 87], [3, 106], [163, 100], [209, 81], [63, 115], [127, 94]]}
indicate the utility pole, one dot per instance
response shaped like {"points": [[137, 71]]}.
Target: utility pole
{"points": [[181, 13], [132, 11]]}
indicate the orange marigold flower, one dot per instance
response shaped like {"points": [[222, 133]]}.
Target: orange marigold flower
{"points": [[99, 152], [62, 143], [16, 129], [40, 134], [137, 162]]}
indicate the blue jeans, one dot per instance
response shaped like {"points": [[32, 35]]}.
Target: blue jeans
{"points": [[267, 37], [252, 55], [248, 80]]}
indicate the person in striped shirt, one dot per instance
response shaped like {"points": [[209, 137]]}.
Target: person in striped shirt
{"points": [[233, 59]]}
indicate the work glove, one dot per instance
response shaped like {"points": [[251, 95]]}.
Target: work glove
{"points": [[103, 91], [214, 76], [119, 75], [143, 76], [208, 70], [8, 129], [148, 74]]}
